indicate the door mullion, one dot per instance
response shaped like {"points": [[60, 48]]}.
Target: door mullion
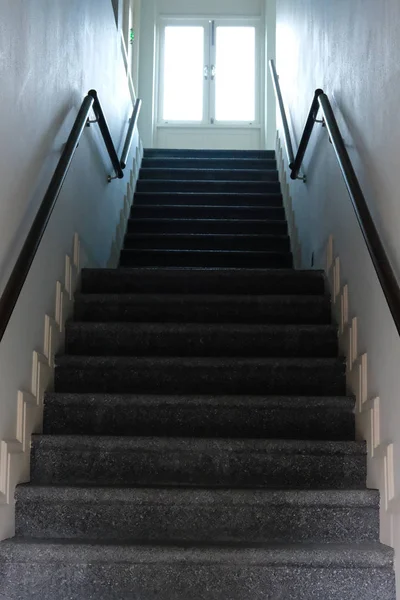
{"points": [[206, 99], [213, 32], [207, 62]]}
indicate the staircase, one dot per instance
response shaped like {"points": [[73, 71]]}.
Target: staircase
{"points": [[199, 444]]}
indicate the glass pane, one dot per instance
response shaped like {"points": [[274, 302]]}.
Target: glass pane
{"points": [[183, 74], [235, 78]]}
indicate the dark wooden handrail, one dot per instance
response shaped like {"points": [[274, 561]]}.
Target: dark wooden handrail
{"points": [[380, 260], [131, 130], [25, 259], [305, 138], [278, 94], [105, 132]]}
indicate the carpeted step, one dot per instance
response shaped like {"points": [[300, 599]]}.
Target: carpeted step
{"points": [[201, 241], [149, 461], [251, 213], [188, 375], [49, 569], [197, 308], [205, 339], [207, 226], [176, 162], [170, 174], [199, 443], [198, 515], [199, 199], [286, 417], [206, 153], [212, 187], [205, 258], [203, 281]]}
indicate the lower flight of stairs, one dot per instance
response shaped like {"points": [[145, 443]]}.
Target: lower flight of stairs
{"points": [[199, 443]]}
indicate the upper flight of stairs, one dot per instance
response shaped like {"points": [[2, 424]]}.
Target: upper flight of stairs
{"points": [[199, 443], [224, 212]]}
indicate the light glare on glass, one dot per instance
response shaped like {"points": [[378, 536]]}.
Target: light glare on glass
{"points": [[183, 73], [235, 80]]}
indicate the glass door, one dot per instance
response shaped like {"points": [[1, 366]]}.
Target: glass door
{"points": [[234, 93], [184, 75], [209, 73]]}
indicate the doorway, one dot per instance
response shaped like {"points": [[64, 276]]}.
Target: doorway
{"points": [[210, 83]]}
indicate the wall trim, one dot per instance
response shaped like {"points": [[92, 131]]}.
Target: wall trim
{"points": [[15, 452], [380, 452], [288, 205], [125, 211], [368, 421]]}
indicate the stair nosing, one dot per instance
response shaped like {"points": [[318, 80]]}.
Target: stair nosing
{"points": [[184, 219], [179, 327], [207, 194], [197, 251], [150, 444], [207, 496], [201, 297], [216, 181], [363, 555], [279, 236], [211, 206], [69, 360], [182, 169], [189, 400]]}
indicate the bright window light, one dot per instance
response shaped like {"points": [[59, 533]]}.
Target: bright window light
{"points": [[183, 73], [235, 80]]}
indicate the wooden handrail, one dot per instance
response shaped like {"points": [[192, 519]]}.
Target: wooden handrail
{"points": [[380, 260], [25, 259]]}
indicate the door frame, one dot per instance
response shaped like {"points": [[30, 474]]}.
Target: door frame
{"points": [[163, 22], [255, 21]]}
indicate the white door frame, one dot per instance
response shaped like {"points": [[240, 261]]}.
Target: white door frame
{"points": [[256, 22], [163, 23]]}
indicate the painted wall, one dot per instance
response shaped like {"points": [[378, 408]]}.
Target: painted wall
{"points": [[148, 56], [51, 53], [351, 50], [270, 53]]}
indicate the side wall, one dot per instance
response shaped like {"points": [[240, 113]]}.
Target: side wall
{"points": [[351, 49], [270, 53], [51, 53]]}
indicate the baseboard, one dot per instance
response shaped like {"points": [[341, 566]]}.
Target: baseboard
{"points": [[15, 452], [381, 457], [125, 210], [288, 205]]}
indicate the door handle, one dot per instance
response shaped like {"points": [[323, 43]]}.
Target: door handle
{"points": [[213, 71], [206, 72]]}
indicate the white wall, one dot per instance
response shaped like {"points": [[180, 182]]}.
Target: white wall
{"points": [[270, 53], [147, 57], [51, 53], [147, 70], [351, 50]]}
